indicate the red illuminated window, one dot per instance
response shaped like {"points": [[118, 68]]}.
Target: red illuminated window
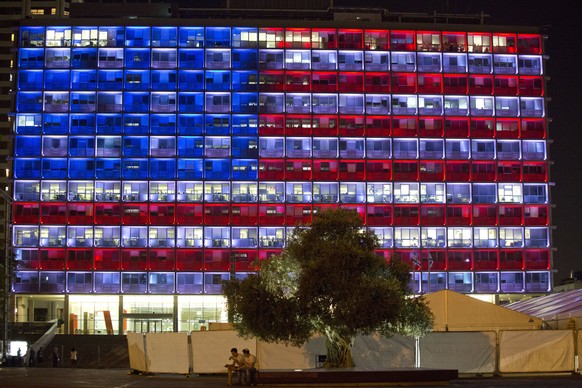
{"points": [[483, 128], [80, 259], [504, 43], [481, 84], [379, 215], [244, 260], [298, 169], [508, 171], [507, 128], [244, 214], [107, 214], [403, 83], [189, 260], [352, 170], [458, 215], [484, 171], [271, 169], [377, 126], [298, 214], [511, 259], [529, 44], [404, 127], [271, 125], [52, 259], [432, 170], [376, 40], [107, 259], [431, 126], [377, 82], [360, 209], [406, 215], [485, 260], [454, 41], [161, 260], [458, 171], [299, 38], [162, 214], [325, 125], [135, 214], [484, 215], [506, 85], [510, 215], [459, 260], [134, 259], [533, 129], [298, 125], [271, 215], [455, 84], [531, 86], [428, 41], [379, 170], [217, 214], [402, 40], [325, 169], [271, 81], [188, 214], [457, 127], [351, 126], [80, 213], [405, 170], [298, 81], [26, 213], [351, 82], [430, 83], [535, 172], [350, 39], [324, 81], [537, 259], [432, 215], [53, 213], [324, 38], [216, 260]]}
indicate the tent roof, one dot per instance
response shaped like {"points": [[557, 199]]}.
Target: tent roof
{"points": [[551, 307], [457, 312]]}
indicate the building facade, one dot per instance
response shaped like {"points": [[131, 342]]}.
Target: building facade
{"points": [[154, 161]]}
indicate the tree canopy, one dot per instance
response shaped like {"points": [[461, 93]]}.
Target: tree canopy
{"points": [[328, 281]]}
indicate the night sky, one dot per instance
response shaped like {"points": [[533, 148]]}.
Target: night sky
{"points": [[564, 69]]}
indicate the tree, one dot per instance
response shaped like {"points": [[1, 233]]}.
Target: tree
{"points": [[328, 281]]}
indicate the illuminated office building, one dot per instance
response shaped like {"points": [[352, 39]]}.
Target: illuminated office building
{"points": [[154, 161]]}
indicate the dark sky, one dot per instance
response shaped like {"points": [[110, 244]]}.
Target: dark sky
{"points": [[564, 69]]}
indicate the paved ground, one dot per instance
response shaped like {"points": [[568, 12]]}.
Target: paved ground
{"points": [[120, 378]]}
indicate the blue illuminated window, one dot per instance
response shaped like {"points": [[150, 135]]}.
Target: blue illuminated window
{"points": [[162, 168], [84, 58], [217, 124], [32, 58], [56, 124], [244, 169], [163, 80], [190, 102], [110, 79], [27, 146], [244, 59], [81, 146], [137, 58], [81, 168], [83, 101], [137, 79], [83, 80], [190, 169], [191, 36], [111, 36], [109, 124], [107, 168], [29, 102], [164, 36], [82, 124], [54, 168], [136, 102], [27, 168], [137, 36], [217, 169], [190, 80], [135, 146], [187, 59], [218, 37], [163, 124], [136, 124], [189, 124], [134, 168], [190, 146], [30, 79]]}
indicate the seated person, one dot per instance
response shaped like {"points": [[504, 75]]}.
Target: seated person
{"points": [[236, 364], [248, 371]]}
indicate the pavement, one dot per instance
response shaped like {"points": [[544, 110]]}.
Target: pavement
{"points": [[121, 378]]}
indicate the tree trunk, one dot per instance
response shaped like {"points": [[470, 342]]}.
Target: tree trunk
{"points": [[339, 350]]}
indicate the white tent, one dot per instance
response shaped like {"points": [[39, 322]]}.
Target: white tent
{"points": [[562, 310], [457, 312]]}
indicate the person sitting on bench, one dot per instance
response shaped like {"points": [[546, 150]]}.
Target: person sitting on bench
{"points": [[237, 363]]}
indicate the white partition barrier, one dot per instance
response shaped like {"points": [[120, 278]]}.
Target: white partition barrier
{"points": [[211, 349], [579, 349], [536, 351], [279, 356], [468, 352], [378, 352], [167, 353], [136, 351]]}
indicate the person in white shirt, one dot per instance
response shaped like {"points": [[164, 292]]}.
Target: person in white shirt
{"points": [[237, 363], [249, 369]]}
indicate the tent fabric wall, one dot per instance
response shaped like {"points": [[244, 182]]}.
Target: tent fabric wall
{"points": [[377, 352], [211, 349], [167, 353], [536, 351], [457, 312], [280, 356], [136, 351], [468, 352]]}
